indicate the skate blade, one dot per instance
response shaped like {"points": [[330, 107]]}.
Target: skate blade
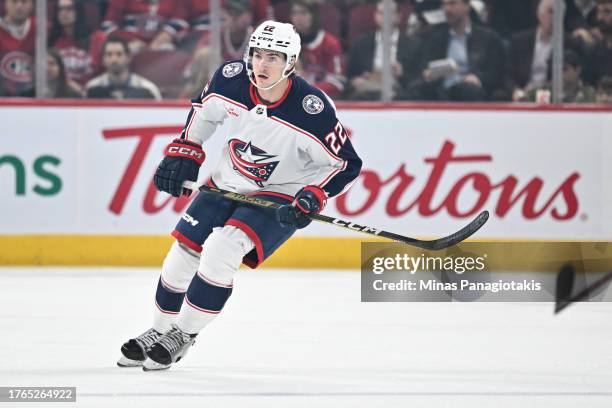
{"points": [[150, 365], [127, 362]]}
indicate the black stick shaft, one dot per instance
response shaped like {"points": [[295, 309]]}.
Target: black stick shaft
{"points": [[437, 244]]}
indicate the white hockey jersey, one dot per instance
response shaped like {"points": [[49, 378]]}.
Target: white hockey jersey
{"points": [[278, 148]]}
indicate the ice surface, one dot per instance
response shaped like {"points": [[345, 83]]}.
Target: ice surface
{"points": [[302, 339]]}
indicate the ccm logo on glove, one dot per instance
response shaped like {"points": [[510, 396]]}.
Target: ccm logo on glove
{"points": [[181, 162], [177, 150]]}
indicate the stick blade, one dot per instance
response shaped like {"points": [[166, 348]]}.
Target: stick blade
{"points": [[565, 284], [458, 236]]}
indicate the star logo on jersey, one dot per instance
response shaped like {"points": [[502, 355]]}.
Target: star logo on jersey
{"points": [[312, 104], [231, 70], [251, 161]]}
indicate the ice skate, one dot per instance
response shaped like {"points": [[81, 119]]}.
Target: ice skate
{"points": [[133, 351], [168, 349]]}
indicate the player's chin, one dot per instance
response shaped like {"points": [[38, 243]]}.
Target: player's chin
{"points": [[262, 80]]}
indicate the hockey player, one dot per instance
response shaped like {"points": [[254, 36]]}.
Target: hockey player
{"points": [[284, 144]]}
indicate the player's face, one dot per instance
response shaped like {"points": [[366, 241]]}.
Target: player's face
{"points": [[18, 10], [116, 59], [268, 67]]}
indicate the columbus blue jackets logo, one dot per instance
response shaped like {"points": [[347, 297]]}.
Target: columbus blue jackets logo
{"points": [[312, 104], [252, 162], [231, 70]]}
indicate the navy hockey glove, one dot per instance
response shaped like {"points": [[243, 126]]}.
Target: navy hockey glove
{"points": [[182, 162], [309, 200]]}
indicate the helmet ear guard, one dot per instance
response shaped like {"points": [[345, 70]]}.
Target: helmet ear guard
{"points": [[274, 36]]}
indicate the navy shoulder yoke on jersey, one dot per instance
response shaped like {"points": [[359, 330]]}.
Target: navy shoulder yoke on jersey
{"points": [[307, 108], [230, 80]]}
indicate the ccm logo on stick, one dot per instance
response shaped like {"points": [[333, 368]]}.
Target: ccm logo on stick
{"points": [[355, 227]]}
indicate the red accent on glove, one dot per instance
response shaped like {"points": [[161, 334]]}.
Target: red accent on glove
{"points": [[320, 195], [186, 149]]}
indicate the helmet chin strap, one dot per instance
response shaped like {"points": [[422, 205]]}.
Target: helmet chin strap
{"points": [[267, 87]]}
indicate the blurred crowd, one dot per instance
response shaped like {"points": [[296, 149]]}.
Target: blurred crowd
{"points": [[441, 50]]}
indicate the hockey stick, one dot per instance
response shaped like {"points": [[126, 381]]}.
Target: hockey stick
{"points": [[565, 284], [433, 245]]}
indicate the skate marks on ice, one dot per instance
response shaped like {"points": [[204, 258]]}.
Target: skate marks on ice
{"points": [[297, 338]]}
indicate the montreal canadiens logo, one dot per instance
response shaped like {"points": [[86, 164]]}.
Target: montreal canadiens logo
{"points": [[17, 66], [252, 162], [312, 104], [231, 70]]}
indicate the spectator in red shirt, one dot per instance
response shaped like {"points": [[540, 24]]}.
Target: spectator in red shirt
{"points": [[190, 18], [73, 40], [58, 83], [17, 43], [137, 21], [321, 61]]}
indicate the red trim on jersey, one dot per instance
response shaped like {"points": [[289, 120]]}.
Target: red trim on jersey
{"points": [[257, 101], [297, 129], [214, 283], [170, 287], [165, 311], [190, 123], [200, 309], [186, 241], [254, 237]]}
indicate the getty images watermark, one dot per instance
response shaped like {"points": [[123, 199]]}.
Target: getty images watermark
{"points": [[394, 272]]}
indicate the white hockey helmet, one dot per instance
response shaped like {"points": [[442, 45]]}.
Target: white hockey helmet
{"points": [[274, 36]]}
